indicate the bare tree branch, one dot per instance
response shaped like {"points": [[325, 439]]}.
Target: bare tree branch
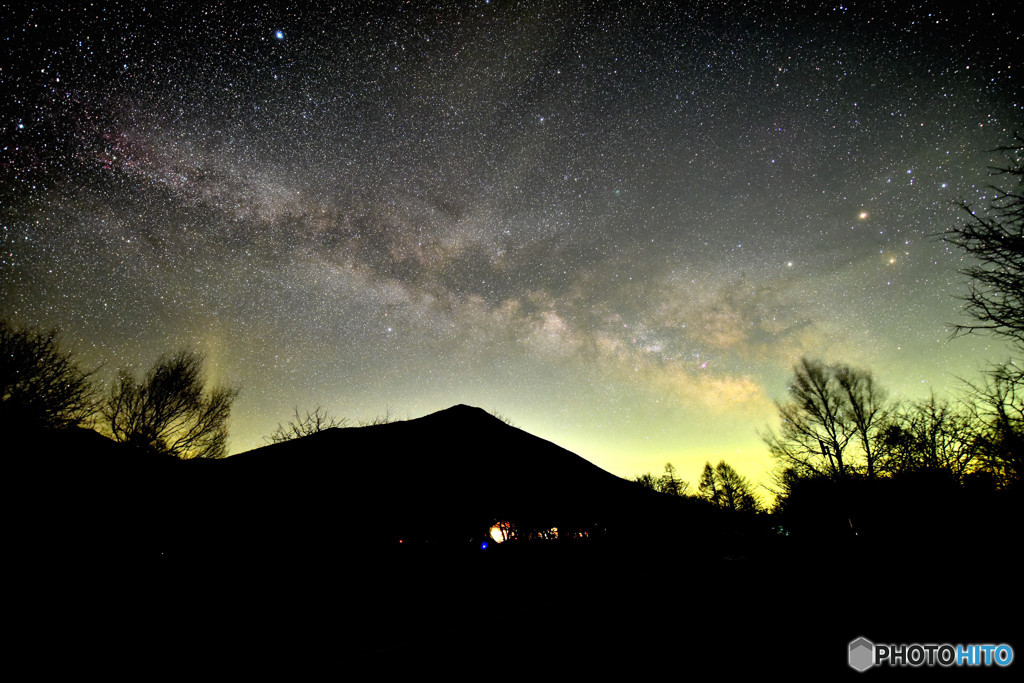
{"points": [[993, 238], [169, 411], [40, 384]]}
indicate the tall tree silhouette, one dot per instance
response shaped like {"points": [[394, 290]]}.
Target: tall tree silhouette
{"points": [[865, 410], [707, 487], [41, 385], [830, 422], [734, 489], [814, 433], [169, 411], [671, 484], [724, 487], [993, 239]]}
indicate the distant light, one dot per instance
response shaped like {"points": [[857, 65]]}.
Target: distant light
{"points": [[483, 546], [400, 541], [863, 215], [279, 35]]}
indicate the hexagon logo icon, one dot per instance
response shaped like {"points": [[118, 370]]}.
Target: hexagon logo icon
{"points": [[862, 654]]}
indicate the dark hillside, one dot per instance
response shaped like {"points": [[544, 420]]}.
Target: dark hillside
{"points": [[439, 481]]}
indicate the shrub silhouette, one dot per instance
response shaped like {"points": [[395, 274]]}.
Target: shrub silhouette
{"points": [[300, 426]]}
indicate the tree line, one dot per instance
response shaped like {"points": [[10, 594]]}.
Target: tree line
{"points": [[721, 486], [168, 411], [838, 424]]}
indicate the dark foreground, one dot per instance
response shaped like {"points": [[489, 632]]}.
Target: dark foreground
{"points": [[290, 567], [536, 609]]}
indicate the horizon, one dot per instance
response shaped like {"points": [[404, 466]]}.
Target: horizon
{"points": [[618, 227]]}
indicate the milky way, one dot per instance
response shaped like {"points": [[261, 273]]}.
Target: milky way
{"points": [[618, 224]]}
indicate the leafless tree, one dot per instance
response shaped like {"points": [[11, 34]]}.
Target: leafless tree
{"points": [[814, 434], [865, 410], [830, 422], [169, 411], [40, 384], [999, 406], [301, 426], [993, 238], [933, 434]]}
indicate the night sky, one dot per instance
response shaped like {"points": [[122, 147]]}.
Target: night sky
{"points": [[617, 224]]}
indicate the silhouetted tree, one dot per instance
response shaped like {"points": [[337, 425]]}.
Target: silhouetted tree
{"points": [[734, 490], [169, 411], [830, 422], [783, 481], [1000, 408], [993, 238], [671, 484], [724, 487], [301, 426], [667, 483], [932, 435], [865, 409], [707, 487], [647, 480], [41, 385]]}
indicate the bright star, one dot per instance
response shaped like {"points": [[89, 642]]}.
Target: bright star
{"points": [[279, 35]]}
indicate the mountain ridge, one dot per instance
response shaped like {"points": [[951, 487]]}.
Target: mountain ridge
{"points": [[443, 479]]}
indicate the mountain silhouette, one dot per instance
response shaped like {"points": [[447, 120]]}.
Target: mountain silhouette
{"points": [[367, 543], [440, 481], [444, 478]]}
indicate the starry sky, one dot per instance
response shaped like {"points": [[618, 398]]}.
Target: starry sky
{"points": [[618, 224]]}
